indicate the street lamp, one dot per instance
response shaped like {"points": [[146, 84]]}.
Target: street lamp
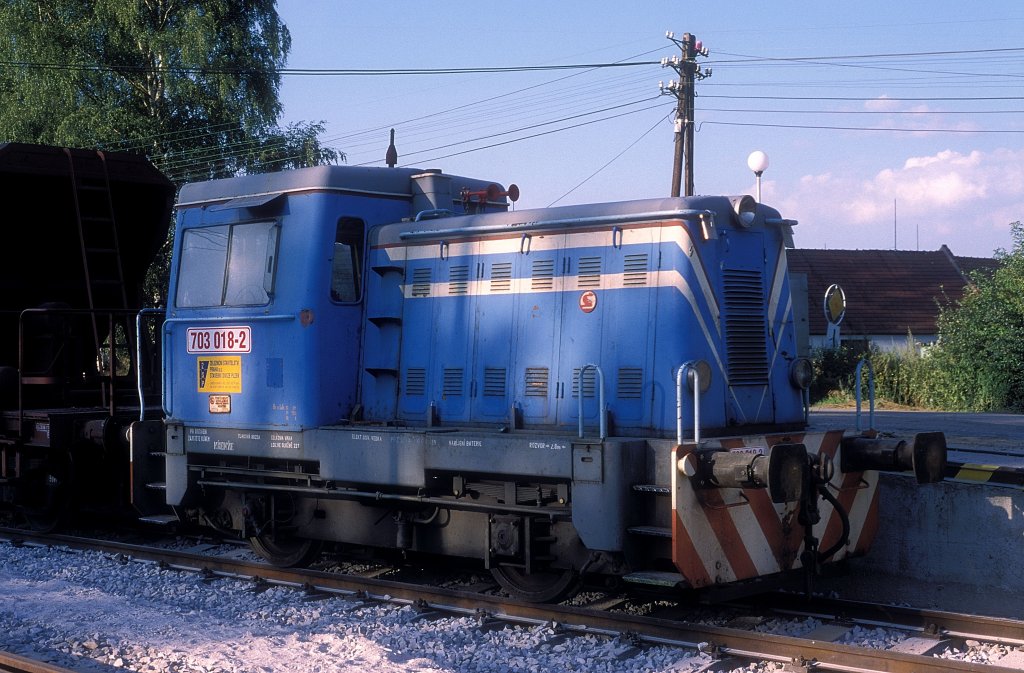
{"points": [[758, 162]]}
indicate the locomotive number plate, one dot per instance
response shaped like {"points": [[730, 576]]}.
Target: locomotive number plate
{"points": [[219, 339]]}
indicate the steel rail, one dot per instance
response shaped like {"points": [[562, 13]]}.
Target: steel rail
{"points": [[933, 623], [721, 641], [15, 663]]}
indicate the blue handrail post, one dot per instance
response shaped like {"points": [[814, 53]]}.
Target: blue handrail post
{"points": [[871, 391], [602, 412], [680, 376]]}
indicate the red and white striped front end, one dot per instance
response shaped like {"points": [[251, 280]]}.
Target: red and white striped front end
{"points": [[723, 535]]}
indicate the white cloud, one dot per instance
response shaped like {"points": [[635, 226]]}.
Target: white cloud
{"points": [[965, 200], [882, 104], [919, 118]]}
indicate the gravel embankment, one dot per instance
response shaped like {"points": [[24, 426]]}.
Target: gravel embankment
{"points": [[75, 607], [99, 613]]}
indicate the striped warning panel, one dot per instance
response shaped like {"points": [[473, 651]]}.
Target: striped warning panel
{"points": [[987, 474], [724, 535]]}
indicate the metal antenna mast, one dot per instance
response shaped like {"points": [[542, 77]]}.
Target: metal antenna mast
{"points": [[688, 71]]}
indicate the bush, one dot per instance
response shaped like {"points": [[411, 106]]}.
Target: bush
{"points": [[833, 373], [980, 355], [977, 364]]}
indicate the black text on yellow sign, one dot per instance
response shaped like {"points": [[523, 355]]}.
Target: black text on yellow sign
{"points": [[221, 374]]}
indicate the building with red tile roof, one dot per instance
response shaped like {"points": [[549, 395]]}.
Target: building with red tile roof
{"points": [[890, 294]]}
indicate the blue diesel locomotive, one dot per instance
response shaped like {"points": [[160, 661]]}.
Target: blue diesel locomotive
{"points": [[397, 359]]}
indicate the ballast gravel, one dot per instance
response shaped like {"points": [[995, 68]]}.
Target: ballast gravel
{"points": [[95, 612], [92, 611]]}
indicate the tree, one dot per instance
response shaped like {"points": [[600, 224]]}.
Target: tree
{"points": [[980, 352], [194, 85]]}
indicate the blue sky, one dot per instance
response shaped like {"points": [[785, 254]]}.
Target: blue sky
{"points": [[886, 123]]}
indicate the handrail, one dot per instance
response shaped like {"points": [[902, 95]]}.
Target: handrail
{"points": [[503, 227], [62, 310], [602, 412], [689, 366], [202, 319], [138, 358], [166, 355], [871, 391], [433, 214]]}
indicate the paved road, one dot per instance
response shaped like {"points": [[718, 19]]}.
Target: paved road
{"points": [[1001, 435]]}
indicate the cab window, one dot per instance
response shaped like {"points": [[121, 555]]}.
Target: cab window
{"points": [[346, 267], [230, 265]]}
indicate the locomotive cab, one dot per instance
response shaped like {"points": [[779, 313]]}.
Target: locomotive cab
{"points": [[267, 293]]}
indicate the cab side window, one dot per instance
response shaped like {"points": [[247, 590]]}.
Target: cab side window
{"points": [[346, 269]]}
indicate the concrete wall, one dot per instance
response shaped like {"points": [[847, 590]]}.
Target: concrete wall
{"points": [[950, 532]]}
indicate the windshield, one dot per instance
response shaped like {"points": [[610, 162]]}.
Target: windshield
{"points": [[230, 265]]}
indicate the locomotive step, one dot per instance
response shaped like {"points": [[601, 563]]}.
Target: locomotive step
{"points": [[655, 578], [652, 488], [159, 519], [654, 531]]}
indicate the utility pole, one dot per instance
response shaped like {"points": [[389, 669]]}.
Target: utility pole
{"points": [[683, 89]]}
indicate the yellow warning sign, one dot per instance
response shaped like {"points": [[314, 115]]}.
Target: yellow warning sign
{"points": [[220, 374], [835, 304]]}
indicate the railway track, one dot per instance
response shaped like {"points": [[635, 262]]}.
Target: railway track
{"points": [[13, 663], [734, 643]]}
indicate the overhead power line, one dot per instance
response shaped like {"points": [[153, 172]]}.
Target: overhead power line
{"points": [[909, 54], [332, 72], [861, 99], [859, 128]]}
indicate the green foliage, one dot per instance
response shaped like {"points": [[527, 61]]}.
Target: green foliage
{"points": [[833, 374], [192, 85], [981, 350]]}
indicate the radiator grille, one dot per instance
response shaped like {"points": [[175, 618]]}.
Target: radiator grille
{"points": [[421, 282], [536, 381], [458, 280], [501, 277], [589, 383], [415, 381], [494, 382], [634, 272], [589, 272], [745, 320], [543, 277], [452, 384], [630, 384]]}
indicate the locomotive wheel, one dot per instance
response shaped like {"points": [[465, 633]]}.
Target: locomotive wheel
{"points": [[542, 587], [284, 551]]}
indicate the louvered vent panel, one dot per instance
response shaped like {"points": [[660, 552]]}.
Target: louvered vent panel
{"points": [[631, 381], [452, 382], [634, 272], [589, 273], [543, 277], [494, 382], [501, 277], [415, 381], [589, 383], [421, 282], [745, 320], [458, 280], [536, 381]]}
